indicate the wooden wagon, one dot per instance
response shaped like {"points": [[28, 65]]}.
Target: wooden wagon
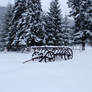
{"points": [[50, 53]]}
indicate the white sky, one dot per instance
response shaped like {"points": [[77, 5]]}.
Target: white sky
{"points": [[45, 4]]}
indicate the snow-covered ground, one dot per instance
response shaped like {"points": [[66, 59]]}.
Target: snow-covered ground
{"points": [[61, 76]]}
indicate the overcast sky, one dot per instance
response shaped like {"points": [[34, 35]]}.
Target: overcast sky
{"points": [[45, 4]]}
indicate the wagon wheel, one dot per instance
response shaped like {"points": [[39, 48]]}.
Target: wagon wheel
{"points": [[50, 56], [68, 54]]}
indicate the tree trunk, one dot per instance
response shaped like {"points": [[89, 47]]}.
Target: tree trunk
{"points": [[83, 46]]}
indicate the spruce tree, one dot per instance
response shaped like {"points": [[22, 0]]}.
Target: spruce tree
{"points": [[81, 11], [34, 29], [54, 25], [89, 20], [18, 9], [66, 30], [45, 24], [30, 26], [6, 30]]}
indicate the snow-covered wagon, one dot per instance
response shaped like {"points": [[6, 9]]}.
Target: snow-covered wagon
{"points": [[50, 53]]}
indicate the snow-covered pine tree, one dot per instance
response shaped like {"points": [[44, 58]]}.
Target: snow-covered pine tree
{"points": [[54, 25], [89, 21], [34, 26], [18, 9], [83, 20], [66, 30], [6, 30], [45, 21]]}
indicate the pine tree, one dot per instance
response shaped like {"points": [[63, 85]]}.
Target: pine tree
{"points": [[81, 11], [34, 29], [6, 30], [45, 24], [30, 26], [89, 21], [2, 43], [66, 30], [18, 9], [54, 25]]}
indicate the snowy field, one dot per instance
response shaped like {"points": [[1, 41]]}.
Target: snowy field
{"points": [[61, 76]]}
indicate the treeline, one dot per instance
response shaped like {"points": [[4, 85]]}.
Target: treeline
{"points": [[27, 25]]}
